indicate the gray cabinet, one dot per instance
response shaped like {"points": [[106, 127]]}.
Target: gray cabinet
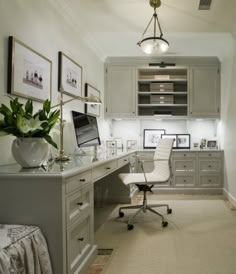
{"points": [[210, 169], [204, 92], [192, 171], [120, 91]]}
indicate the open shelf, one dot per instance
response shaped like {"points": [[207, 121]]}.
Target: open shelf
{"points": [[162, 91]]}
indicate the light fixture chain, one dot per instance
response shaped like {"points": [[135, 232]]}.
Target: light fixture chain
{"points": [[159, 26], [147, 27]]}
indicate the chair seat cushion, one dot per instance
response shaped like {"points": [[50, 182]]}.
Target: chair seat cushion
{"points": [[138, 178]]}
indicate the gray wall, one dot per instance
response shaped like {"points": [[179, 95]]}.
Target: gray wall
{"points": [[47, 29]]}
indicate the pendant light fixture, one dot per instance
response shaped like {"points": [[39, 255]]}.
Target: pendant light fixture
{"points": [[154, 44]]}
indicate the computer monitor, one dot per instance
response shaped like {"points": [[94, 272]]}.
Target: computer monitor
{"points": [[86, 129]]}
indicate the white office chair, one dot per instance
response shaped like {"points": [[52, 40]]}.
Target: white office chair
{"points": [[145, 181]]}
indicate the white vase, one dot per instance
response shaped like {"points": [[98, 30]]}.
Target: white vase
{"points": [[30, 152]]}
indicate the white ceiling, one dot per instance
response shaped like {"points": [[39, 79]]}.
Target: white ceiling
{"points": [[113, 27]]}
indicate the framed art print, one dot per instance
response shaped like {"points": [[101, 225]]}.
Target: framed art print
{"points": [[170, 136], [183, 141], [151, 137], [29, 72], [92, 109], [69, 76]]}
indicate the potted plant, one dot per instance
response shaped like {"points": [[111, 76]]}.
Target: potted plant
{"points": [[32, 130]]}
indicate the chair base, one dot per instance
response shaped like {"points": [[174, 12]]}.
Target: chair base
{"points": [[143, 208]]}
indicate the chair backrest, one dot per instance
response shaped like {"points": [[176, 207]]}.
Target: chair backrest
{"points": [[163, 153]]}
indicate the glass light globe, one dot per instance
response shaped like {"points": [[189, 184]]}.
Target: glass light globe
{"points": [[152, 45]]}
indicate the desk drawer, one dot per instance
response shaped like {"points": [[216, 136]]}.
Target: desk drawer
{"points": [[79, 204], [213, 154], [185, 181], [183, 155], [78, 181], [210, 166], [78, 243], [210, 180], [184, 166], [123, 161], [100, 171]]}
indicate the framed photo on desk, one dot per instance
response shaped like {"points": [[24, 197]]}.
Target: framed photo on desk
{"points": [[151, 137]]}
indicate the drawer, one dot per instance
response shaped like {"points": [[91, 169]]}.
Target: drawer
{"points": [[183, 155], [213, 154], [123, 161], [80, 180], [210, 180], [100, 171], [185, 181], [210, 166], [184, 166], [78, 243], [79, 204]]}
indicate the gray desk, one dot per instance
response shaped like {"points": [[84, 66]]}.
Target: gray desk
{"points": [[60, 200]]}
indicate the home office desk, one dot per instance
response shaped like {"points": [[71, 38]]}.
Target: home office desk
{"points": [[59, 200]]}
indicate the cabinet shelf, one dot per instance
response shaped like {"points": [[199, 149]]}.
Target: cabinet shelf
{"points": [[161, 81], [164, 92], [162, 105]]}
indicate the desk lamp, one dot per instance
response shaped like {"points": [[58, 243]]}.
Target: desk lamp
{"points": [[87, 100]]}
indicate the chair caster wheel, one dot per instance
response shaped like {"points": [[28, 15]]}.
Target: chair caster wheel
{"points": [[121, 214], [169, 211], [130, 227], [164, 224]]}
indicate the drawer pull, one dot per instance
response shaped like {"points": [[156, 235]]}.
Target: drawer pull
{"points": [[184, 155], [108, 168], [209, 166], [79, 204], [184, 166], [82, 180], [125, 160], [81, 239], [209, 155], [209, 180], [184, 181]]}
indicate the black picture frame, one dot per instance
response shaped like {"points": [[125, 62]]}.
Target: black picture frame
{"points": [[183, 141], [29, 72], [92, 109], [170, 136], [70, 76], [151, 137]]}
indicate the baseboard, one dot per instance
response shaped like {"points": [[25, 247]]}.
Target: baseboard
{"points": [[230, 197], [192, 191]]}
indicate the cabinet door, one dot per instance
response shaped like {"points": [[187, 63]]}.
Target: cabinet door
{"points": [[120, 91], [205, 91]]}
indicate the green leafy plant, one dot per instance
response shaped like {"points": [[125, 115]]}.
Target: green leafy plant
{"points": [[19, 120]]}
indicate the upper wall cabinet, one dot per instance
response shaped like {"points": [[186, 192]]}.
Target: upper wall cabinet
{"points": [[204, 92], [120, 91], [162, 91]]}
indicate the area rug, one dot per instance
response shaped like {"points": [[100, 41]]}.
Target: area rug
{"points": [[200, 239]]}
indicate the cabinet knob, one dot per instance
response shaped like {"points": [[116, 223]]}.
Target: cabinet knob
{"points": [[125, 160], [184, 166], [80, 239], [209, 180], [79, 204], [209, 166], [184, 181], [184, 155], [108, 168], [209, 155], [82, 180]]}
